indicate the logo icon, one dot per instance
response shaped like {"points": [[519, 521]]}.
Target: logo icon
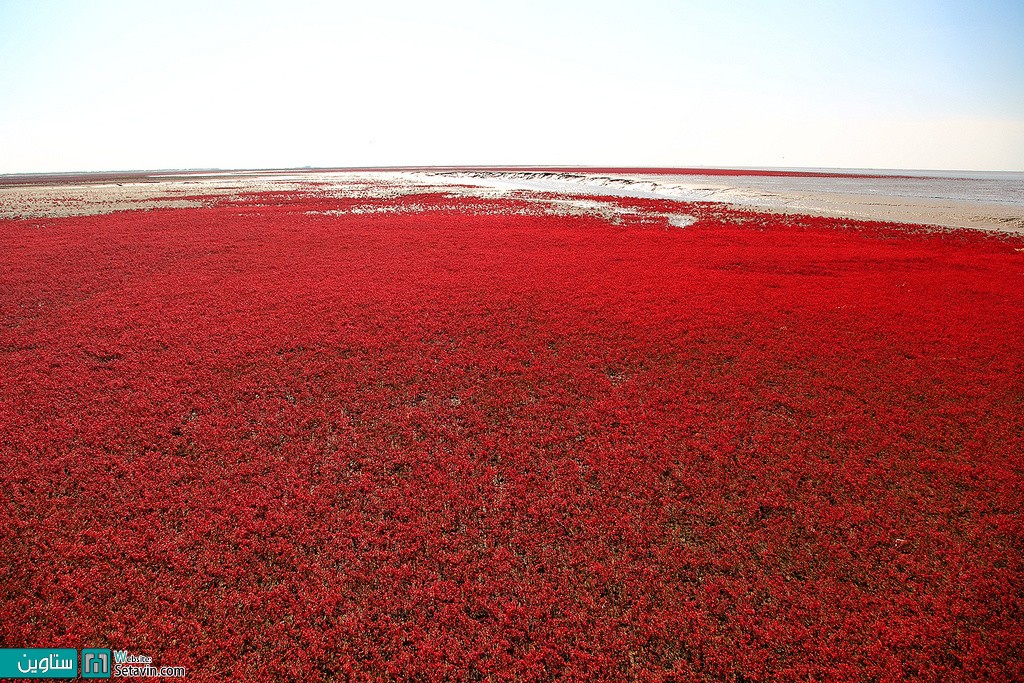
{"points": [[95, 663]]}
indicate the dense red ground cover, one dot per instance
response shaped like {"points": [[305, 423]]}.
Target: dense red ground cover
{"points": [[466, 444]]}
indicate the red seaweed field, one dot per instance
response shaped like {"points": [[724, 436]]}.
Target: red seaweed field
{"points": [[294, 436]]}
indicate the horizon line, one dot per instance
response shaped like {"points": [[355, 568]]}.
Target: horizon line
{"points": [[17, 178]]}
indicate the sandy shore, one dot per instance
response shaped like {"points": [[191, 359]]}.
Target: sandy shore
{"points": [[978, 201]]}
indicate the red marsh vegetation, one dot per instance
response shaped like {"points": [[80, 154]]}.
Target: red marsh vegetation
{"points": [[290, 437]]}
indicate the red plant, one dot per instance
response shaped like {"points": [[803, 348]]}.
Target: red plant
{"points": [[474, 442]]}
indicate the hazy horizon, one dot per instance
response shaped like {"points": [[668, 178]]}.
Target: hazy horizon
{"points": [[118, 87], [924, 172]]}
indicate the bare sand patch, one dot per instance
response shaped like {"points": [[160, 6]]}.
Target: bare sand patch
{"points": [[984, 201]]}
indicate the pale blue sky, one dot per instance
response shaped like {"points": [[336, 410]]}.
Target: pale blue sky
{"points": [[145, 85]]}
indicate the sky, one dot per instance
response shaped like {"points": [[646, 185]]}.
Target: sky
{"points": [[894, 84]]}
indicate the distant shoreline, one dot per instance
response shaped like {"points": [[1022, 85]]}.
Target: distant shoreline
{"points": [[986, 201], [159, 175]]}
